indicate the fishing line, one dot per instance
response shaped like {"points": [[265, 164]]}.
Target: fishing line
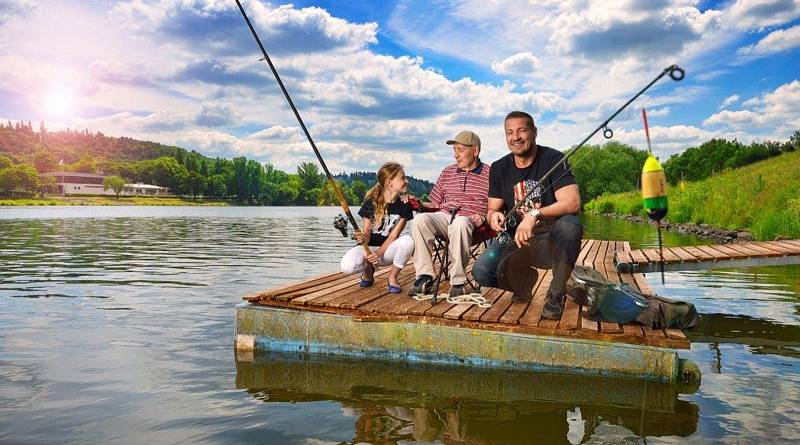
{"points": [[675, 73], [336, 190]]}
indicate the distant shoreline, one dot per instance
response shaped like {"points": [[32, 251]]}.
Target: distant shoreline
{"points": [[111, 201]]}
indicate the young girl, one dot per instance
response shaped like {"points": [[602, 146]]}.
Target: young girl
{"points": [[384, 216]]}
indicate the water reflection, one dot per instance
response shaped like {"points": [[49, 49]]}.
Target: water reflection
{"points": [[394, 402], [133, 345]]}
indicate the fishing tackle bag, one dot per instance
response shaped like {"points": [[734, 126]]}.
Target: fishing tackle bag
{"points": [[619, 303]]}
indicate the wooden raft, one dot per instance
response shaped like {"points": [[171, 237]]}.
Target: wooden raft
{"points": [[765, 253], [340, 294]]}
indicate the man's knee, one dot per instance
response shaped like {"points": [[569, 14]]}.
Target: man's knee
{"points": [[482, 271], [568, 228]]}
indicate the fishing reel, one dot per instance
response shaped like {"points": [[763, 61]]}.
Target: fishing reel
{"points": [[340, 223]]}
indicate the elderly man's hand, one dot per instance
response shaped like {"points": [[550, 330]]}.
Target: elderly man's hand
{"points": [[497, 221], [477, 220], [525, 231]]}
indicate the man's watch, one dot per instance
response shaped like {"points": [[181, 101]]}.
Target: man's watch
{"points": [[535, 213]]}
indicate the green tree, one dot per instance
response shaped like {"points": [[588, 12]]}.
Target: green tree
{"points": [[115, 183], [5, 161], [216, 186], [194, 183], [22, 177], [45, 161], [359, 190], [309, 175], [86, 164]]}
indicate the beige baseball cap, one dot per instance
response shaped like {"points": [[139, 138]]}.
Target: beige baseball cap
{"points": [[465, 138]]}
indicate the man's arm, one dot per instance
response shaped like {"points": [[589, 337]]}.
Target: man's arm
{"points": [[568, 201], [495, 214]]}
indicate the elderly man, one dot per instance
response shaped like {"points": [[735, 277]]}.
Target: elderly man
{"points": [[549, 233], [460, 195]]}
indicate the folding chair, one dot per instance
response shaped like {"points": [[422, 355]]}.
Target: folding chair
{"points": [[480, 236]]}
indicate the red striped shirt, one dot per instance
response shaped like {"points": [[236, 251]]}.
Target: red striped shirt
{"points": [[466, 189]]}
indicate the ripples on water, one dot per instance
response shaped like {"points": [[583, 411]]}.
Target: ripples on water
{"points": [[116, 326]]}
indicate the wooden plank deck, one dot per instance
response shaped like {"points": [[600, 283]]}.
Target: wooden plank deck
{"points": [[340, 294], [765, 253]]}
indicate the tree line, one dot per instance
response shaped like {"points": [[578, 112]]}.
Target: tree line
{"points": [[610, 168]]}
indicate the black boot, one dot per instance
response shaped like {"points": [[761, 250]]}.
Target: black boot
{"points": [[553, 306]]}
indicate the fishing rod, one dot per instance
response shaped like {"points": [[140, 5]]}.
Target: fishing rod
{"points": [[675, 73], [336, 189]]}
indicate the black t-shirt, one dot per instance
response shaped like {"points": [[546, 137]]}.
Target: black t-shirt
{"points": [[510, 183], [394, 212]]}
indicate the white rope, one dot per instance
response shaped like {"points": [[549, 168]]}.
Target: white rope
{"points": [[473, 298]]}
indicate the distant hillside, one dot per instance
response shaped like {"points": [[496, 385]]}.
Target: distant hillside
{"points": [[183, 172], [41, 147], [417, 187], [763, 197]]}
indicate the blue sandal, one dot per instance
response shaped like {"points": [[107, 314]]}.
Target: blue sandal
{"points": [[394, 289], [366, 283]]}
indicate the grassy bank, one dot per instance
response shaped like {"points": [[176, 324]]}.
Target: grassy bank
{"points": [[763, 198], [111, 201]]}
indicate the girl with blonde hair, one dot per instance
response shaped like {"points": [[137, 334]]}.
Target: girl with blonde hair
{"points": [[384, 217]]}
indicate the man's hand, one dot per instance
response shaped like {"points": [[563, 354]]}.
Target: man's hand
{"points": [[477, 219], [525, 231], [497, 220]]}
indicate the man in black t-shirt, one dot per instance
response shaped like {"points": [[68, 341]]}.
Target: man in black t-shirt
{"points": [[546, 231]]}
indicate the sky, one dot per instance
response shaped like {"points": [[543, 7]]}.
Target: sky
{"points": [[378, 80]]}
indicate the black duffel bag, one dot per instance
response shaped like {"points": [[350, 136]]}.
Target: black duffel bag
{"points": [[619, 303]]}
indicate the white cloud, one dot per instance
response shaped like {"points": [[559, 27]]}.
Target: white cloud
{"points": [[759, 14], [730, 100], [774, 42], [520, 64], [10, 9], [777, 111]]}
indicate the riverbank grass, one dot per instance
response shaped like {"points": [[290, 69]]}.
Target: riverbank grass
{"points": [[111, 201], [763, 198]]}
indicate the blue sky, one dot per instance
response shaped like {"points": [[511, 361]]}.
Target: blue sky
{"points": [[378, 81]]}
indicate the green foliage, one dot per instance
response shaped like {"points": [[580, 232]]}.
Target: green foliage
{"points": [[310, 175], [18, 178], [194, 183], [86, 164], [115, 183], [5, 161], [761, 197], [612, 168]]}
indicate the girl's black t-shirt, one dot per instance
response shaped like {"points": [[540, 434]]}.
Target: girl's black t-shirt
{"points": [[394, 212], [511, 184]]}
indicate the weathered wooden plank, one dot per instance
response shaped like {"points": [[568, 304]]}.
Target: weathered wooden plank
{"points": [[683, 255], [299, 285], [571, 318], [634, 329], [782, 246], [778, 250], [356, 301], [752, 251], [639, 257], [517, 309], [697, 253], [675, 334], [735, 254], [498, 308], [587, 247], [422, 306], [610, 328]]}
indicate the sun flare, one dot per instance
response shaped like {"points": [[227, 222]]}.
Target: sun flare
{"points": [[59, 103]]}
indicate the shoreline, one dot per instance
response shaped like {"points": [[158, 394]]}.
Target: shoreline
{"points": [[110, 201], [706, 231]]}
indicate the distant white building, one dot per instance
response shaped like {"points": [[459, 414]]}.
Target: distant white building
{"points": [[69, 183]]}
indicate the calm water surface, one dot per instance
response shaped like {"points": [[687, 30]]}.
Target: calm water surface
{"points": [[116, 326]]}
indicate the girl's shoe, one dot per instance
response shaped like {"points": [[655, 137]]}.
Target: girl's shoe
{"points": [[366, 283], [394, 289]]}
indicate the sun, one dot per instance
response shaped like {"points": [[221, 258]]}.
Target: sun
{"points": [[59, 103]]}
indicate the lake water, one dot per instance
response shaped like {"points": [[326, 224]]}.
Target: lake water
{"points": [[116, 326]]}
